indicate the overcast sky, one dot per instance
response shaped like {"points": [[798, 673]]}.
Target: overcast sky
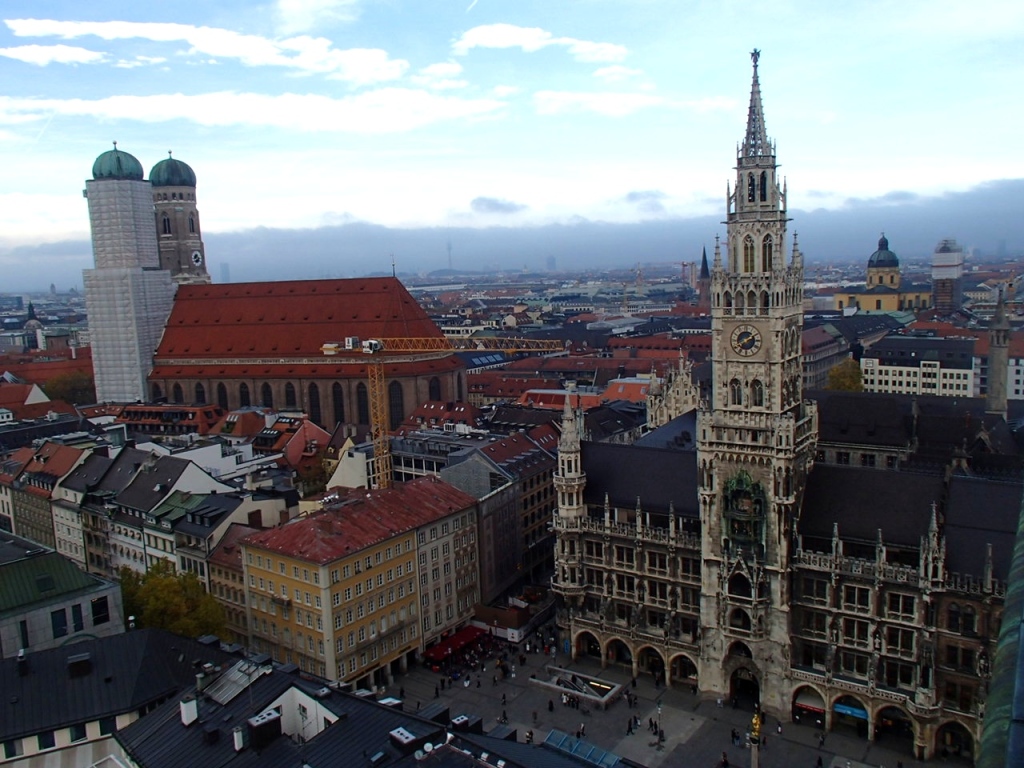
{"points": [[407, 113]]}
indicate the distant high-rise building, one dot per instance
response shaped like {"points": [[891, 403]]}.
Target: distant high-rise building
{"points": [[177, 221], [225, 272], [128, 295], [948, 276]]}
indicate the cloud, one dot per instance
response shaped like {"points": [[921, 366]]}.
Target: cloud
{"points": [[501, 91], [495, 205], [304, 15], [531, 39], [616, 73], [387, 110], [311, 55], [440, 76], [647, 200], [610, 104], [42, 55], [139, 61]]}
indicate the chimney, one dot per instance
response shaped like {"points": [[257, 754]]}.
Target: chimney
{"points": [[189, 710], [238, 735]]}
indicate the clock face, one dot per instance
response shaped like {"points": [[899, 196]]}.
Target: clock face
{"points": [[746, 340], [197, 258]]}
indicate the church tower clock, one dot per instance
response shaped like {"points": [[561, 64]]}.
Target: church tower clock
{"points": [[756, 437]]}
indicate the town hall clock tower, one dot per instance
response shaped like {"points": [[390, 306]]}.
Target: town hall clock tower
{"points": [[756, 438]]}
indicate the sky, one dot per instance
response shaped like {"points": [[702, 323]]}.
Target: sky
{"points": [[304, 114]]}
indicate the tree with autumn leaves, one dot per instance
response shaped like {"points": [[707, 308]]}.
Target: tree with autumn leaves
{"points": [[846, 377], [177, 602]]}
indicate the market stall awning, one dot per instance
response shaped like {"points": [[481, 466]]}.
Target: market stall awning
{"points": [[453, 644]]}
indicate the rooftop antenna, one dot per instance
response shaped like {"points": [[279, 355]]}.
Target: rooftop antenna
{"points": [[449, 254], [393, 273]]}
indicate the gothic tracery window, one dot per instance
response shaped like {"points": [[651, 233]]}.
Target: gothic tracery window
{"points": [[767, 247], [748, 254], [735, 392], [751, 188], [764, 186], [757, 393], [166, 224]]}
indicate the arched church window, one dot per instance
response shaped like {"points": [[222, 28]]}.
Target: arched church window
{"points": [[289, 395], [739, 302], [757, 393], [892, 279], [748, 254], [968, 620], [166, 224], [739, 585], [222, 396], [314, 404], [728, 300], [396, 404], [764, 302], [362, 404], [434, 389], [739, 619], [735, 392], [953, 617], [767, 247], [266, 396], [751, 188], [243, 396], [200, 393], [338, 403], [157, 393], [752, 302], [177, 394], [191, 224], [764, 186]]}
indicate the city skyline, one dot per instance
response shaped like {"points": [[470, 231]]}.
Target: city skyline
{"points": [[480, 114]]}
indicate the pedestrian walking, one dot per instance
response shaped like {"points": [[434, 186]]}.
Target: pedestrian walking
{"points": [[437, 695], [778, 729], [503, 701], [819, 763], [629, 727], [821, 741], [583, 729], [734, 736], [725, 760], [551, 705]]}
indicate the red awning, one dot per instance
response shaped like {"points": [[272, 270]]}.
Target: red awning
{"points": [[453, 644]]}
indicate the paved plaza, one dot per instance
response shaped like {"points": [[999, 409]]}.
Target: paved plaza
{"points": [[696, 731]]}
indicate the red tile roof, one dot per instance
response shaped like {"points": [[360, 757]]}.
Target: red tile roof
{"points": [[40, 367], [292, 319], [228, 553], [358, 519]]}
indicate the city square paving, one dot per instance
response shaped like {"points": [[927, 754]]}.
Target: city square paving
{"points": [[697, 731]]}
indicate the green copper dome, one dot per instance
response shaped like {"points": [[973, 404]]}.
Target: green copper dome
{"points": [[115, 164], [883, 257], [172, 173]]}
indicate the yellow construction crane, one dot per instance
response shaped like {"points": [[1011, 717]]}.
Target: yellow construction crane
{"points": [[380, 348]]}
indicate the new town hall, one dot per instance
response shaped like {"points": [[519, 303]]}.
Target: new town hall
{"points": [[841, 562]]}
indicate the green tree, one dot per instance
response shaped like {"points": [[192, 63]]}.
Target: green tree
{"points": [[846, 377], [173, 601], [75, 387]]}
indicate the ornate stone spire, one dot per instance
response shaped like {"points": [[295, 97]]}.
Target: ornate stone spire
{"points": [[705, 273], [755, 143]]}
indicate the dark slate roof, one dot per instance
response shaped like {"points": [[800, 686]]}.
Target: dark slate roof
{"points": [[680, 433], [855, 327], [122, 471], [125, 672], [152, 483], [911, 351], [159, 740], [660, 477], [862, 418], [613, 418], [33, 574], [88, 474], [981, 512], [863, 500], [203, 511]]}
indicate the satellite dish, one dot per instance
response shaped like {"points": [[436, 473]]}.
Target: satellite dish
{"points": [[419, 754], [428, 747]]}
